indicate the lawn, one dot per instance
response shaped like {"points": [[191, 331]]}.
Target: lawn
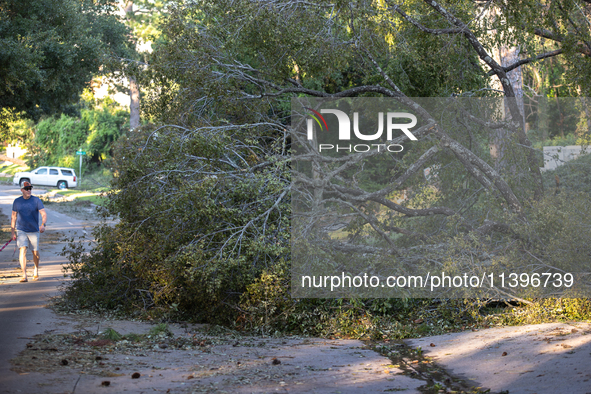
{"points": [[12, 169], [94, 196]]}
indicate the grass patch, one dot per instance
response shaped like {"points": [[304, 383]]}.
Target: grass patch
{"points": [[96, 181], [12, 169], [161, 329], [94, 197]]}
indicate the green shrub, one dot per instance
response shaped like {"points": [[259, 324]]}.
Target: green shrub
{"points": [[574, 175], [191, 237], [99, 280], [58, 138]]}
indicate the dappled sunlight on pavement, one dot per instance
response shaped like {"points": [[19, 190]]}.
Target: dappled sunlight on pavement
{"points": [[546, 358]]}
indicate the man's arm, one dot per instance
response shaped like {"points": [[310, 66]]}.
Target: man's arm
{"points": [[43, 220], [13, 225]]}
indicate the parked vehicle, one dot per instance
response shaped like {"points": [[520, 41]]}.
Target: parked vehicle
{"points": [[60, 177]]}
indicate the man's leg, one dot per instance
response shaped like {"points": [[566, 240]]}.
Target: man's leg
{"points": [[23, 260], [34, 243], [22, 241], [36, 262]]}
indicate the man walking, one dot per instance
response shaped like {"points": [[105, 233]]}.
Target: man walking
{"points": [[25, 227]]}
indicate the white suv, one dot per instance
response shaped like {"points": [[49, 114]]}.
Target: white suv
{"points": [[60, 177]]}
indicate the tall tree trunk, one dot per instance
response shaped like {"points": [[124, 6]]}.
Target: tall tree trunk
{"points": [[134, 104], [506, 57], [134, 89]]}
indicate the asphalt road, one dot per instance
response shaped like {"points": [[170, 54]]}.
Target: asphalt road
{"points": [[22, 305]]}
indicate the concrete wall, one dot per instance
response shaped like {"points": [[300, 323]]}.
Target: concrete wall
{"points": [[555, 156]]}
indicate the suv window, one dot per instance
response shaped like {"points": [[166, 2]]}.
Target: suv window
{"points": [[67, 173], [42, 171], [53, 171]]}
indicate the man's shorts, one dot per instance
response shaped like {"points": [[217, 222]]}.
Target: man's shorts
{"points": [[27, 240]]}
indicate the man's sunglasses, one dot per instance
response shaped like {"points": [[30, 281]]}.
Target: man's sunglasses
{"points": [[28, 188]]}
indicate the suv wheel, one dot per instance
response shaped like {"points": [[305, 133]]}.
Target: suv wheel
{"points": [[22, 182], [62, 185]]}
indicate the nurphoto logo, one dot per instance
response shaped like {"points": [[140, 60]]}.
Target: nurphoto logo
{"points": [[392, 120]]}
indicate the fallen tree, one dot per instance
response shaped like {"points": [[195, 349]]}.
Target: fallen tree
{"points": [[204, 196]]}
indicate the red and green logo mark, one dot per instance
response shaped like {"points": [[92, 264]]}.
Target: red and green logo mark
{"points": [[315, 115]]}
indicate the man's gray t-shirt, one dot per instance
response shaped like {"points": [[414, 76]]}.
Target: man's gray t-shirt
{"points": [[27, 219]]}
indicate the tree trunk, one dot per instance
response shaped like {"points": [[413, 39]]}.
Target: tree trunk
{"points": [[134, 89], [508, 56], [134, 104]]}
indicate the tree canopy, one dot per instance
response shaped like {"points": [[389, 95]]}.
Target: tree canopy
{"points": [[50, 49]]}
